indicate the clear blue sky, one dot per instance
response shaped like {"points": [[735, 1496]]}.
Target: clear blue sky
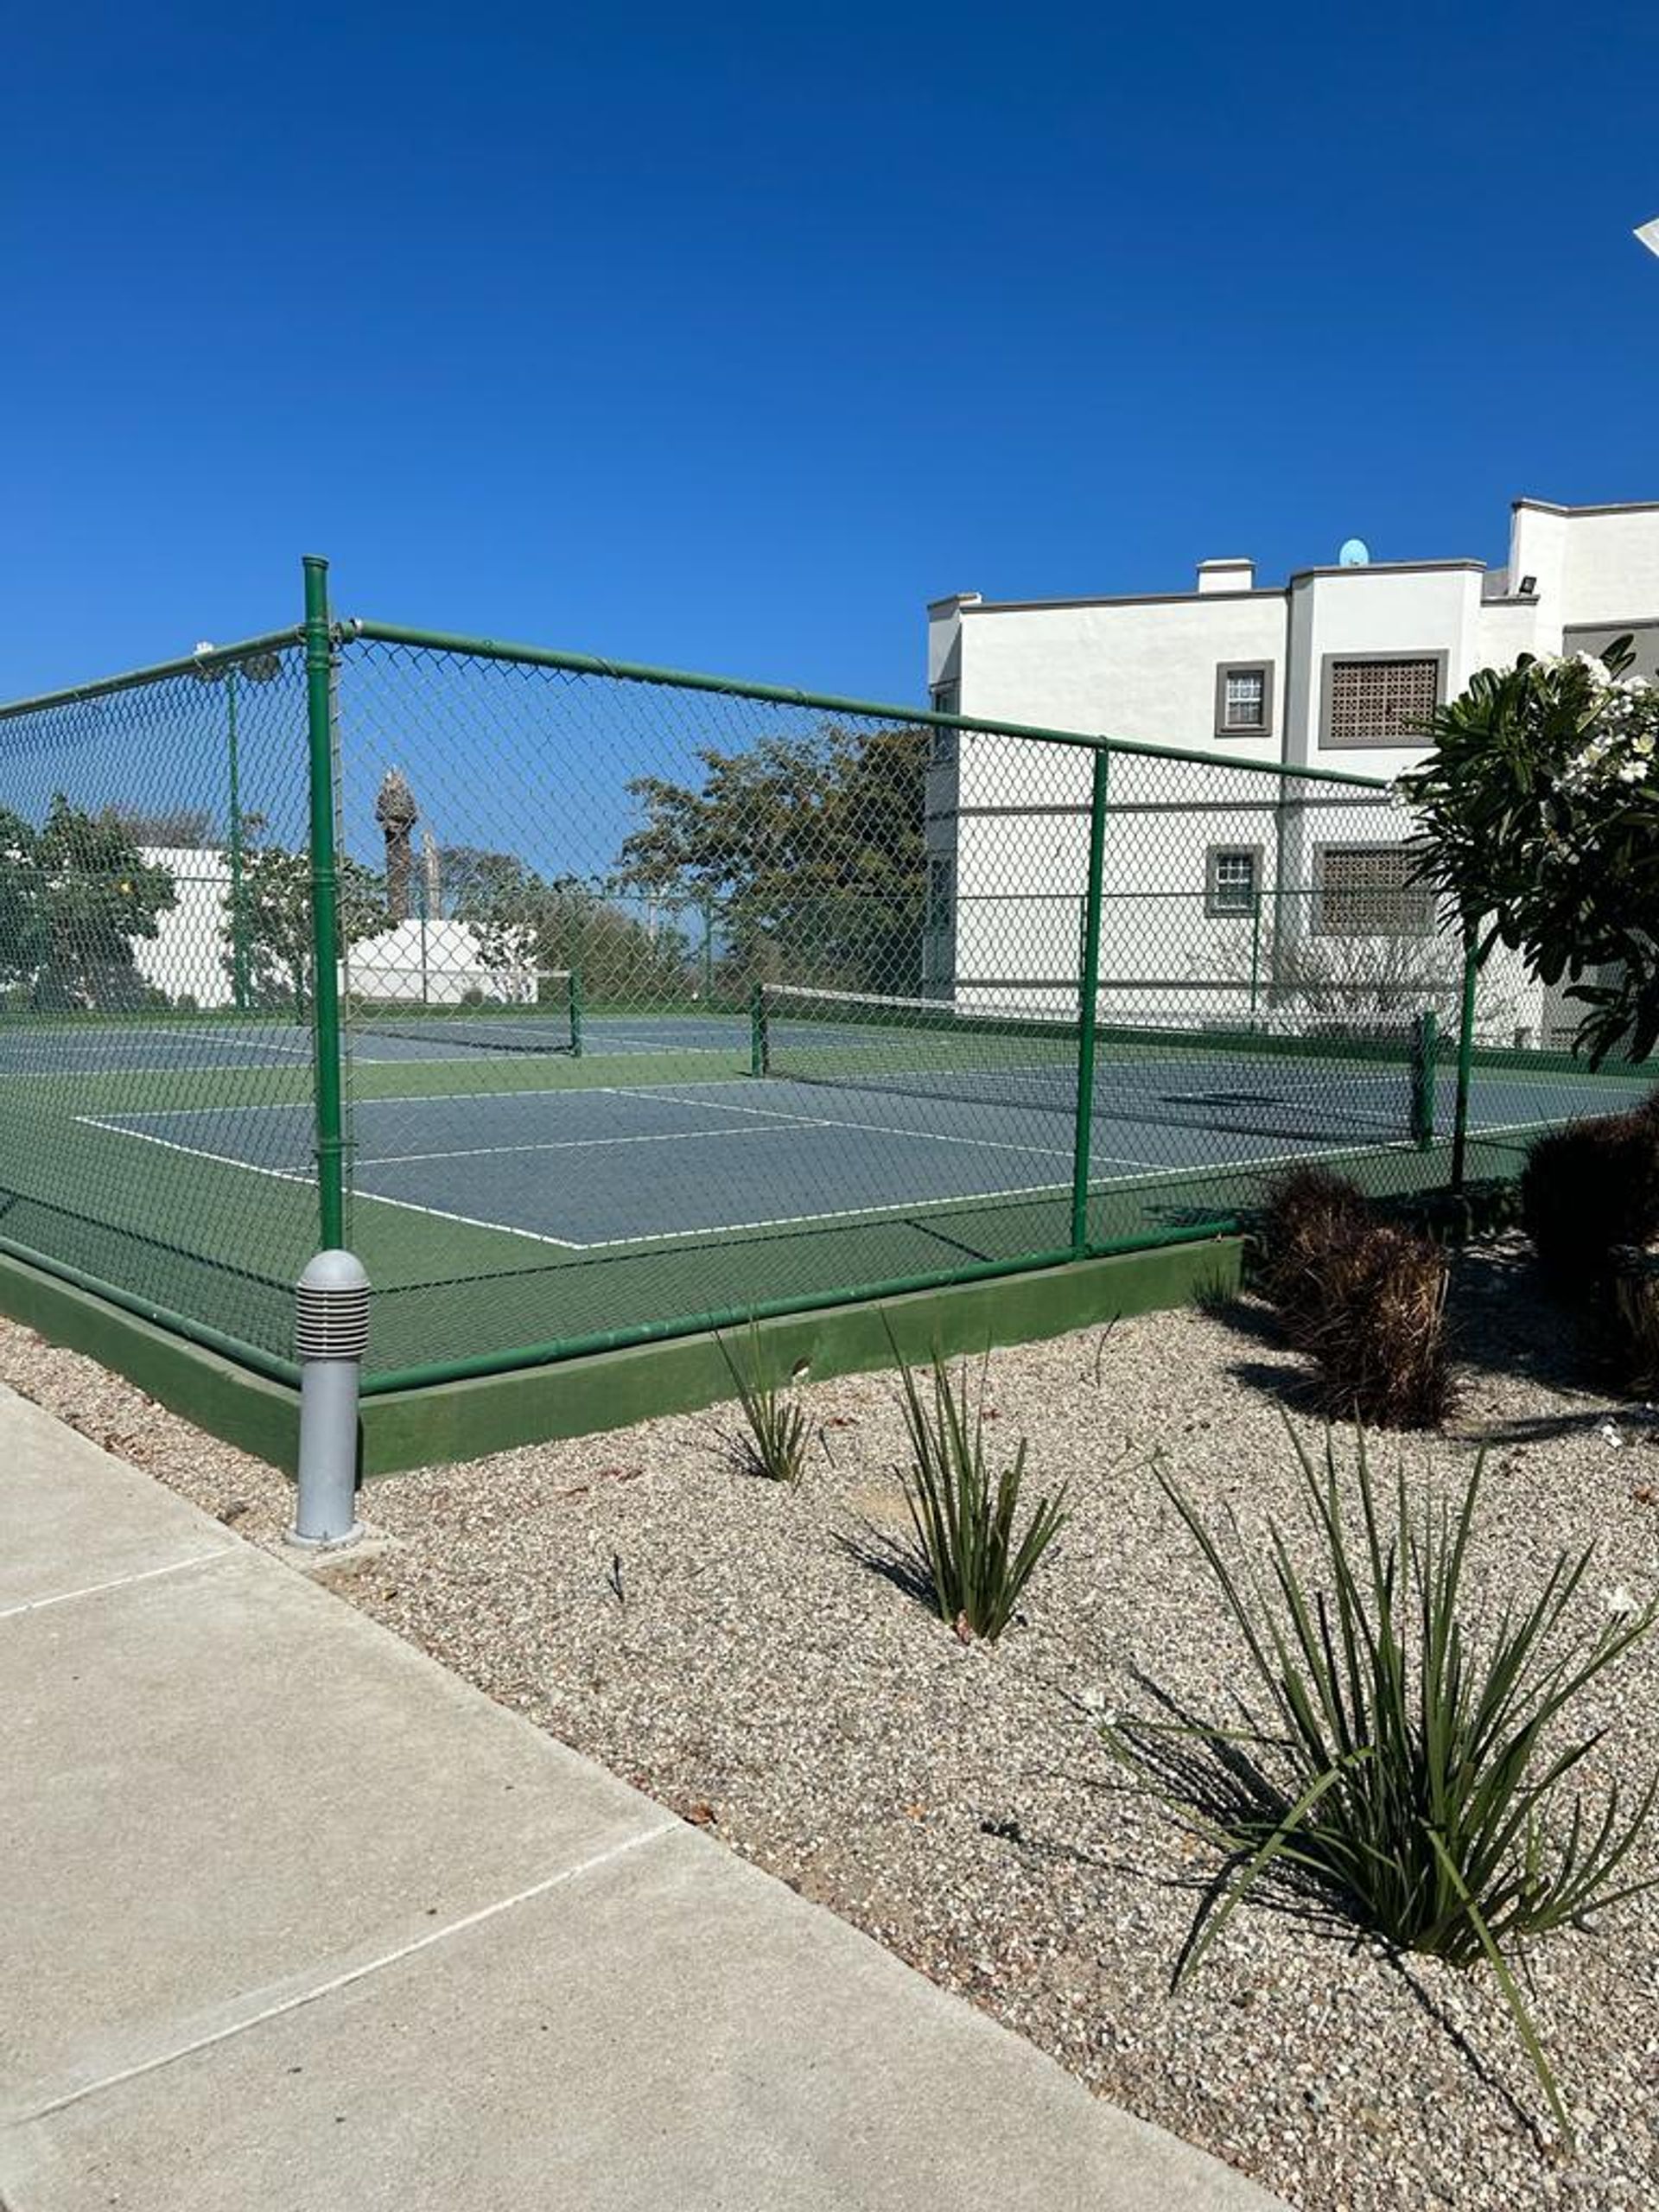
{"points": [[726, 337]]}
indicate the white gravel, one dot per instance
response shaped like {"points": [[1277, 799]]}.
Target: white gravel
{"points": [[729, 1646]]}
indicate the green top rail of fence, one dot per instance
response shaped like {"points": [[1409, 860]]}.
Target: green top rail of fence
{"points": [[269, 641], [391, 633]]}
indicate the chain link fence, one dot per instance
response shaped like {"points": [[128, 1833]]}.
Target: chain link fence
{"points": [[646, 1001]]}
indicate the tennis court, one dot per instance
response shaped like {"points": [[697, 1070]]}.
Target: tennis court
{"points": [[621, 1148], [617, 1002]]}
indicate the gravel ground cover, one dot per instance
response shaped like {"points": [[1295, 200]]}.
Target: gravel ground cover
{"points": [[744, 1653]]}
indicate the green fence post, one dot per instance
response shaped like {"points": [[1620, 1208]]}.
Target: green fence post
{"points": [[1088, 993], [1425, 1058], [1466, 1061], [325, 909]]}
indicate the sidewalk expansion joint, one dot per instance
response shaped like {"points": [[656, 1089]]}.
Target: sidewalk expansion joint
{"points": [[353, 1975], [121, 1581]]}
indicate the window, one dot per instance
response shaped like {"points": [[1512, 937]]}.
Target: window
{"points": [[1366, 891], [1232, 879], [1380, 701], [1243, 698]]}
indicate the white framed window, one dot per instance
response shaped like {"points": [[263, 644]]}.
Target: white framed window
{"points": [[1381, 701], [1367, 890], [1232, 879], [1243, 698]]}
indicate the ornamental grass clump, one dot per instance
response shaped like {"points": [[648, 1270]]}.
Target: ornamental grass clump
{"points": [[1374, 1323], [1405, 1752], [1305, 1209], [779, 1434], [974, 1566]]}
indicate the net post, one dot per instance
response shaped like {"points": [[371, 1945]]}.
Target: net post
{"points": [[759, 1041], [1088, 994], [575, 989], [1424, 1053], [1255, 952], [325, 909], [1466, 1061]]}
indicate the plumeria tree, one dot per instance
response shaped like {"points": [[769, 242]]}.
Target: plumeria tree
{"points": [[1538, 815]]}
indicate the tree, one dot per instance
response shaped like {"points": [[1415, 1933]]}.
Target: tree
{"points": [[474, 883], [74, 895], [812, 848], [522, 923], [168, 827], [277, 918], [1538, 813], [1325, 983]]}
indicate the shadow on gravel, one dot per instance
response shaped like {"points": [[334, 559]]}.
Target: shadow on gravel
{"points": [[1502, 1323], [880, 1552]]}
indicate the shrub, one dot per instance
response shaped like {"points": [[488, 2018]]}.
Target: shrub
{"points": [[1373, 1322], [1588, 1187], [779, 1435], [1407, 1765], [1305, 1209], [1636, 1315], [965, 1539]]}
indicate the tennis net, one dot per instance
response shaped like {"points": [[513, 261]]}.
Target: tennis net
{"points": [[1371, 1087], [482, 1012]]}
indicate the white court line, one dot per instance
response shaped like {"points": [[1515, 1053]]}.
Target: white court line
{"points": [[1150, 1172], [568, 1144], [870, 1128], [368, 1197]]}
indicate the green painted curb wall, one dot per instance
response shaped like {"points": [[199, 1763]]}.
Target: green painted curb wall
{"points": [[225, 1399], [579, 1397], [454, 1421]]}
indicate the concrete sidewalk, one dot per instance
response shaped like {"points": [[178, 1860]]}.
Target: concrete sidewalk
{"points": [[296, 1922]]}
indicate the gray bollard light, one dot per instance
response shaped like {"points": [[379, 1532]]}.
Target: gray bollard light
{"points": [[332, 1333]]}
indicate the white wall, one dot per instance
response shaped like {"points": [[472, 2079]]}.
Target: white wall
{"points": [[432, 964], [187, 956], [1139, 668]]}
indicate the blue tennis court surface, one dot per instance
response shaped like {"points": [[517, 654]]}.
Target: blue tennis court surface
{"points": [[628, 1164]]}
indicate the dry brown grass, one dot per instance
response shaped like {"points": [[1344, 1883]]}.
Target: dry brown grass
{"points": [[1374, 1323]]}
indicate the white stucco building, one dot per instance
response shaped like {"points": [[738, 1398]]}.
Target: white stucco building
{"points": [[187, 957], [1229, 894]]}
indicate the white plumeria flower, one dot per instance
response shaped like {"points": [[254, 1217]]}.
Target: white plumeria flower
{"points": [[1619, 1602], [1609, 1432]]}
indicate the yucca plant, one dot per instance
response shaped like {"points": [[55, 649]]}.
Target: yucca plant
{"points": [[1404, 1763], [779, 1434], [974, 1566]]}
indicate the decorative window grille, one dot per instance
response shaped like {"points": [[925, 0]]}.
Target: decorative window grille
{"points": [[1244, 699], [1366, 891], [1232, 879], [1380, 701]]}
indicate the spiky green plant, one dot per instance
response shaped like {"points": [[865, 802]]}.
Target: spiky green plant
{"points": [[779, 1434], [966, 1546], [1405, 1761]]}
